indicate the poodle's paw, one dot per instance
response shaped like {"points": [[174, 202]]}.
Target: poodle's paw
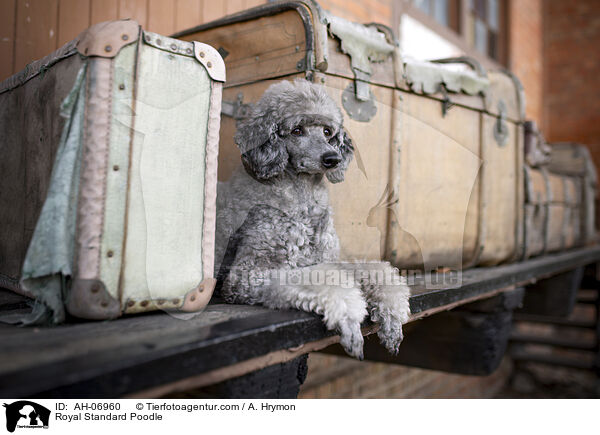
{"points": [[391, 313], [390, 334], [389, 306], [344, 311], [351, 338]]}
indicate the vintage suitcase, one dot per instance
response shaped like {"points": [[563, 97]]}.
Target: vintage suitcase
{"points": [[574, 160], [432, 141], [109, 149], [559, 201]]}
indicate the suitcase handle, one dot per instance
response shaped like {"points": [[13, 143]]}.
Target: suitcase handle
{"points": [[473, 63]]}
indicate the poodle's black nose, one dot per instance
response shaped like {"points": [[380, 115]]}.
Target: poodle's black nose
{"points": [[330, 159]]}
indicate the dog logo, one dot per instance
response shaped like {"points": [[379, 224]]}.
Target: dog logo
{"points": [[25, 414]]}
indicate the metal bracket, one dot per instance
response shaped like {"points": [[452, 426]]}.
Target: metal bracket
{"points": [[361, 85], [364, 45], [362, 111], [237, 109], [447, 103], [500, 126]]}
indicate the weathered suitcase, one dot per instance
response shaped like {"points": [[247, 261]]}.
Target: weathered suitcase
{"points": [[432, 143], [574, 160], [109, 147], [559, 201], [552, 212]]}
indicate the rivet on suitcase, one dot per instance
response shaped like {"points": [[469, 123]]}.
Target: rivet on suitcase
{"points": [[109, 174]]}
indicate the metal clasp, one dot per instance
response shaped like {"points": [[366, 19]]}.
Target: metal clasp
{"points": [[500, 126], [447, 103]]}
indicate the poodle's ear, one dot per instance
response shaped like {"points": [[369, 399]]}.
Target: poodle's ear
{"points": [[343, 144], [264, 155]]}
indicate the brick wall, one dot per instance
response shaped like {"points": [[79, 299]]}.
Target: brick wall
{"points": [[572, 70], [336, 377], [525, 21]]}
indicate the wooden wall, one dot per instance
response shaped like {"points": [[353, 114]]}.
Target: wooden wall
{"points": [[31, 29]]}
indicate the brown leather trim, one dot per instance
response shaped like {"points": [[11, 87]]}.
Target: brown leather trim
{"points": [[210, 181], [90, 300], [96, 137], [107, 38], [195, 300], [134, 306], [198, 298]]}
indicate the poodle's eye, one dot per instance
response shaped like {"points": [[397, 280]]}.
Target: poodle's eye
{"points": [[297, 131], [327, 131]]}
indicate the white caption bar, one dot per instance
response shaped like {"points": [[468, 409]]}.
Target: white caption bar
{"points": [[306, 417]]}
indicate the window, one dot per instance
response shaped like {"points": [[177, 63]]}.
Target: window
{"points": [[444, 12], [483, 27], [475, 27]]}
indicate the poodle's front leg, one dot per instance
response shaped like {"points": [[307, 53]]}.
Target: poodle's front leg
{"points": [[387, 297], [340, 302]]}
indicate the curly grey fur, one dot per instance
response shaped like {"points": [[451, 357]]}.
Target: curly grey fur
{"points": [[274, 217]]}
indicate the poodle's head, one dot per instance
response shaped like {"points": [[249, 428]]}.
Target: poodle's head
{"points": [[294, 127]]}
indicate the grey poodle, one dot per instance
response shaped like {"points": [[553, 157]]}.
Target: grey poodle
{"points": [[276, 244]]}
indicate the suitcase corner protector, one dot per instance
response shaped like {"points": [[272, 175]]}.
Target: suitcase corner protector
{"points": [[197, 298], [89, 299], [106, 39]]}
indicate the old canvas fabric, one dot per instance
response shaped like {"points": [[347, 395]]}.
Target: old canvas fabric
{"points": [[49, 260]]}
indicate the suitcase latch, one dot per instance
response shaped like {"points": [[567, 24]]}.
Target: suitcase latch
{"points": [[362, 111], [500, 126], [447, 103], [364, 45]]}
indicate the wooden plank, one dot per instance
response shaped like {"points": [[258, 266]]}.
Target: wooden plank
{"points": [[134, 9], [87, 351], [584, 362], [73, 18], [188, 13], [12, 194], [482, 280], [7, 37], [37, 22], [555, 321], [161, 16], [554, 341], [212, 10], [103, 10], [247, 59], [142, 353], [279, 381]]}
